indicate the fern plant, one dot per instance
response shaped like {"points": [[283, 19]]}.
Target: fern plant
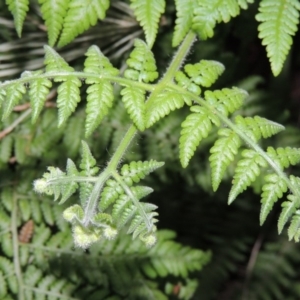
{"points": [[100, 202]]}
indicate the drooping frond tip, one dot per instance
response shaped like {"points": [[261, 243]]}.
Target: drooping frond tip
{"points": [[279, 20]]}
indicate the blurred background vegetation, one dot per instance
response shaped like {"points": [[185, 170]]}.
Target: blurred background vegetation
{"points": [[249, 261]]}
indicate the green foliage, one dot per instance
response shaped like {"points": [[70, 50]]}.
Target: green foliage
{"points": [[18, 10], [100, 196], [279, 20], [148, 13], [208, 13]]}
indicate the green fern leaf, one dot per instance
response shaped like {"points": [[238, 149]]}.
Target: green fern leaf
{"points": [[53, 13], [226, 100], [88, 162], [100, 94], [210, 12], [285, 156], [187, 83], [258, 127], [141, 63], [97, 63], [195, 128], [123, 201], [163, 104], [279, 21], [39, 89], [80, 17], [110, 194], [135, 171], [71, 187], [294, 228], [15, 93], [184, 14], [55, 63], [19, 9], [251, 162], [134, 101], [288, 209], [222, 154], [99, 100], [68, 98], [204, 73], [148, 13], [273, 190]]}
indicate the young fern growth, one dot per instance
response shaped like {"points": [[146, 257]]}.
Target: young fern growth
{"points": [[119, 203]]}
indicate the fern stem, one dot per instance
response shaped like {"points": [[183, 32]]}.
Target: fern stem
{"points": [[124, 144], [62, 180], [15, 241], [91, 204], [81, 75], [133, 198], [179, 57]]}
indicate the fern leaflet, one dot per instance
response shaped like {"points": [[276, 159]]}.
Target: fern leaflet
{"points": [[14, 94], [80, 17], [273, 189], [222, 154], [19, 10], [279, 21], [148, 13], [184, 13], [252, 162], [210, 12], [53, 13], [39, 89], [195, 128]]}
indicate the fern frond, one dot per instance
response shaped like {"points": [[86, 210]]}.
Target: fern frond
{"points": [[195, 128], [148, 13], [252, 162], [14, 93], [54, 12], [39, 89], [285, 156], [134, 102], [141, 63], [294, 228], [97, 63], [71, 188], [226, 100], [163, 104], [222, 154], [135, 171], [258, 127], [279, 22], [288, 209], [204, 73], [110, 193], [184, 17], [19, 9], [80, 17], [210, 12], [273, 189], [54, 62], [68, 98], [99, 100]]}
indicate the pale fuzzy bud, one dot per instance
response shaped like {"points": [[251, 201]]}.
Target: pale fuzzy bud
{"points": [[40, 186], [83, 238], [110, 233], [149, 240]]}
